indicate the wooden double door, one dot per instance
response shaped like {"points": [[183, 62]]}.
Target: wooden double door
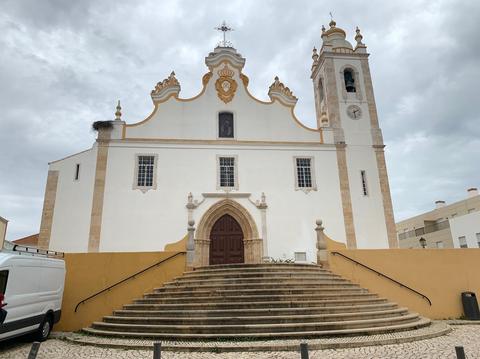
{"points": [[226, 241]]}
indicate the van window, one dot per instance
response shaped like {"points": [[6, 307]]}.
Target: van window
{"points": [[3, 281]]}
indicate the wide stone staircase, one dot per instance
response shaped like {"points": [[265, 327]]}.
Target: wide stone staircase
{"points": [[257, 301]]}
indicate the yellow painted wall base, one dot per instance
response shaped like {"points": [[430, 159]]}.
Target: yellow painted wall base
{"points": [[88, 273], [180, 246], [440, 274]]}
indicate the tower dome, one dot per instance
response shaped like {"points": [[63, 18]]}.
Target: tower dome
{"points": [[335, 37]]}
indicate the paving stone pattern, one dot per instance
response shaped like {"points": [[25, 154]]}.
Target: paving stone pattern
{"points": [[440, 347]]}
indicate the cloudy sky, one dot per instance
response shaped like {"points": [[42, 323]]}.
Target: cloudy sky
{"points": [[63, 65]]}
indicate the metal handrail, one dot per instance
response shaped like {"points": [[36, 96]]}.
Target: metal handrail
{"points": [[383, 275], [125, 279]]}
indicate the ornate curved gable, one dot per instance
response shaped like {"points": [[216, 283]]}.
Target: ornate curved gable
{"points": [[225, 89]]}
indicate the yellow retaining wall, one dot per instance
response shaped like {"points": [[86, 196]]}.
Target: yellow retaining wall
{"points": [[88, 273], [440, 274], [180, 246]]}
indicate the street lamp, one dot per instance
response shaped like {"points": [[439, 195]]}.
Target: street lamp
{"points": [[423, 242]]}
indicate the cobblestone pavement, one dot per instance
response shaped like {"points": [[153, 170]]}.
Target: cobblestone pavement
{"points": [[437, 348]]}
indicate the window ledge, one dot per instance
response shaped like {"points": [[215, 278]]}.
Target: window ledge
{"points": [[306, 190], [144, 189]]}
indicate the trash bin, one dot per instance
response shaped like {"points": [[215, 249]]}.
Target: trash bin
{"points": [[470, 306]]}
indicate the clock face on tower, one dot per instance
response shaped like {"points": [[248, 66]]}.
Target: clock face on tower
{"points": [[354, 112]]}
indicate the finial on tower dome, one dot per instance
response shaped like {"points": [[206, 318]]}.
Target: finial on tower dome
{"points": [[332, 22], [118, 113], [315, 54], [358, 37]]}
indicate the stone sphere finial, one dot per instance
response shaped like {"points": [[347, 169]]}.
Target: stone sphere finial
{"points": [[118, 113], [319, 222], [191, 223]]}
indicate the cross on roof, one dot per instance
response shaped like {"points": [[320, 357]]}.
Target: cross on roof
{"points": [[224, 28]]}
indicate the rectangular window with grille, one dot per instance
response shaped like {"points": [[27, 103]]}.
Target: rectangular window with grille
{"points": [[227, 172], [145, 170], [463, 242], [363, 175], [304, 172]]}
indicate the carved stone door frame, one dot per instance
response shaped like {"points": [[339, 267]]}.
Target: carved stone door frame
{"points": [[253, 245]]}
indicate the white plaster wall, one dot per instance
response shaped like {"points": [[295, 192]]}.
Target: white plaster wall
{"points": [[254, 121], [467, 225], [368, 213], [138, 221], [73, 202]]}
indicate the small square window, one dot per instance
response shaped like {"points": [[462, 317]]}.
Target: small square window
{"points": [[462, 242], [300, 256]]}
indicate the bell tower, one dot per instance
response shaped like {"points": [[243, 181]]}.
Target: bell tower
{"points": [[345, 105]]}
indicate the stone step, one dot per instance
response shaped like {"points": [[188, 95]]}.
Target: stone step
{"points": [[271, 319], [263, 266], [272, 285], [218, 297], [268, 269], [256, 311], [256, 328], [261, 291], [370, 331], [265, 301], [304, 274], [226, 281], [265, 304]]}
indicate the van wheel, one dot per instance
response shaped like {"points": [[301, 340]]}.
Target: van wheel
{"points": [[44, 329]]}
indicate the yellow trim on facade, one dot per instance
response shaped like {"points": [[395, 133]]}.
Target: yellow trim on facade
{"points": [[223, 142]]}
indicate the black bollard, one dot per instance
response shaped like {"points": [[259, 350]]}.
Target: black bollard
{"points": [[34, 350], [157, 350], [304, 350], [460, 352]]}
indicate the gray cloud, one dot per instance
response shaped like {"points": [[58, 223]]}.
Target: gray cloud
{"points": [[64, 65]]}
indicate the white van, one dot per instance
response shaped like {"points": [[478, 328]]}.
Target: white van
{"points": [[31, 291]]}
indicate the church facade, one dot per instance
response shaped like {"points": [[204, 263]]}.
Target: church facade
{"points": [[245, 173]]}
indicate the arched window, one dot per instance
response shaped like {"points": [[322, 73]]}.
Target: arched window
{"points": [[225, 125], [349, 80]]}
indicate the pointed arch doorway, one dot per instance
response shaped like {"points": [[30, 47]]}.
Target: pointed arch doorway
{"points": [[226, 241], [227, 233]]}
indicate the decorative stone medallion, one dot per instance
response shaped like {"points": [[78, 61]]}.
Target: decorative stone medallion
{"points": [[225, 84]]}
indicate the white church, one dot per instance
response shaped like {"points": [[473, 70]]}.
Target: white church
{"points": [[247, 174]]}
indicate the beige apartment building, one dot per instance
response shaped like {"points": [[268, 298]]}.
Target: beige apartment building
{"points": [[455, 225], [3, 230]]}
